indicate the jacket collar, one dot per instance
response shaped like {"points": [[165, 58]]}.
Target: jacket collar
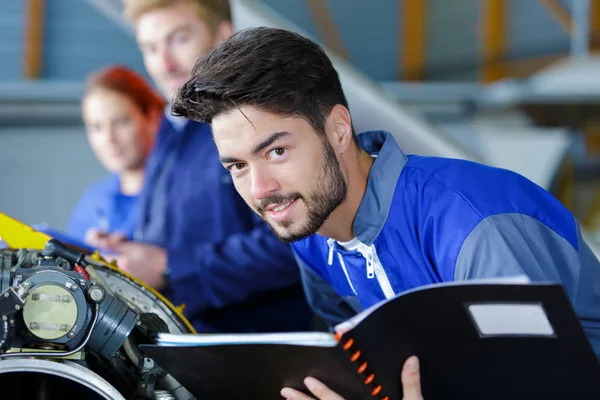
{"points": [[383, 179], [178, 123]]}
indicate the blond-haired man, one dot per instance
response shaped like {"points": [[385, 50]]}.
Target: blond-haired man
{"points": [[197, 241]]}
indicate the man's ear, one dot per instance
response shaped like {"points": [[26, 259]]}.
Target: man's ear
{"points": [[339, 128], [223, 32]]}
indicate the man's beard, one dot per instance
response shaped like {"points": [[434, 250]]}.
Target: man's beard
{"points": [[329, 193]]}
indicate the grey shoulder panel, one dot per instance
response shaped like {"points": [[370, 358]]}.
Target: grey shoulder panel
{"points": [[515, 244]]}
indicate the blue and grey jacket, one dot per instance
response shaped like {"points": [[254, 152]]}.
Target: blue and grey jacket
{"points": [[424, 220]]}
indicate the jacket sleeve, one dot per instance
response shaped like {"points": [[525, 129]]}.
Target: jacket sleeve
{"points": [[209, 276], [323, 299], [516, 244], [83, 216]]}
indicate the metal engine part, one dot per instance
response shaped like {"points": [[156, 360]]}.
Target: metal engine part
{"points": [[57, 314], [71, 380], [70, 324], [139, 298]]}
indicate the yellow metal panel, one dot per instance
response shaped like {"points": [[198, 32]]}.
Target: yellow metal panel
{"points": [[16, 234]]}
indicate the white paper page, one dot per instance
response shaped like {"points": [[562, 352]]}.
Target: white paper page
{"points": [[322, 339]]}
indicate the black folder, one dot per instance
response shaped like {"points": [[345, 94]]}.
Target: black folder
{"points": [[474, 341]]}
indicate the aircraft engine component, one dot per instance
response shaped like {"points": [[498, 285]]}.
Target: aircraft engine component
{"points": [[70, 324]]}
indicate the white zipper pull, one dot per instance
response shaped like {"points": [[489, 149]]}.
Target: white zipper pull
{"points": [[367, 253], [330, 257], [370, 265]]}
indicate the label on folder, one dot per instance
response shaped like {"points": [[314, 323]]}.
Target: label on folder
{"points": [[511, 319]]}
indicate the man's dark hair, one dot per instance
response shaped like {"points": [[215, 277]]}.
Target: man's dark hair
{"points": [[274, 70]]}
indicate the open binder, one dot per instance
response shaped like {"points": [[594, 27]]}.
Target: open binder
{"points": [[474, 341]]}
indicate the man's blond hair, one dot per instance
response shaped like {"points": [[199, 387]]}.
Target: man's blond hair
{"points": [[213, 12]]}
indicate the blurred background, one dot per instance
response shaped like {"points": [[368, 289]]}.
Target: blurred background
{"points": [[510, 83]]}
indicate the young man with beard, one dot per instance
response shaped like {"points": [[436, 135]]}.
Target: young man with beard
{"points": [[197, 241], [361, 214]]}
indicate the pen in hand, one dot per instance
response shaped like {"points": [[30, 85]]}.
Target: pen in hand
{"points": [[103, 225]]}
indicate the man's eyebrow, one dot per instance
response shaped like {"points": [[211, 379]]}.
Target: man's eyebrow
{"points": [[269, 141], [229, 160], [178, 29], [258, 148]]}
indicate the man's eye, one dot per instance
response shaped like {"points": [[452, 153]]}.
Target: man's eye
{"points": [[276, 153], [237, 166]]}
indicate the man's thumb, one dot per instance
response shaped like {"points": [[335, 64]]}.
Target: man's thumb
{"points": [[411, 379]]}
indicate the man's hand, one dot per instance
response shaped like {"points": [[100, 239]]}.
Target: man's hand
{"points": [[101, 240], [144, 261], [411, 385]]}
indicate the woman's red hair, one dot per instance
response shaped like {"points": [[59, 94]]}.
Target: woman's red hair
{"points": [[128, 83]]}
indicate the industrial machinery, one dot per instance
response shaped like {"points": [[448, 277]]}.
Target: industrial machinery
{"points": [[70, 324]]}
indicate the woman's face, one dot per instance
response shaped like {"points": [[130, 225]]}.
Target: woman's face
{"points": [[119, 133]]}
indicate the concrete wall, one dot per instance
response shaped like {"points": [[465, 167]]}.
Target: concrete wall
{"points": [[43, 171]]}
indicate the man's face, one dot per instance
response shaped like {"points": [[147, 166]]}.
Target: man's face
{"points": [[285, 171], [171, 40]]}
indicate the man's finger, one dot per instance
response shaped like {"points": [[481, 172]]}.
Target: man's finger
{"points": [[320, 390], [293, 394], [94, 238], [123, 263], [316, 387], [411, 379], [115, 239]]}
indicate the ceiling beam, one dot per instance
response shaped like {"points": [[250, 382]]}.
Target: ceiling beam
{"points": [[412, 35], [326, 26], [34, 39], [494, 40]]}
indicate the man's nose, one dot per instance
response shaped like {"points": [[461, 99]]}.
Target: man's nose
{"points": [[167, 60], [263, 183]]}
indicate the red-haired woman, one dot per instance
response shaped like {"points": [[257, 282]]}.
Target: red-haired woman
{"points": [[121, 113]]}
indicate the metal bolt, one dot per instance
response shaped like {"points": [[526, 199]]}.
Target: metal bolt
{"points": [[26, 285], [4, 318], [35, 296], [64, 327], [33, 326], [6, 294], [73, 288], [17, 307], [82, 282], [96, 294], [71, 335]]}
